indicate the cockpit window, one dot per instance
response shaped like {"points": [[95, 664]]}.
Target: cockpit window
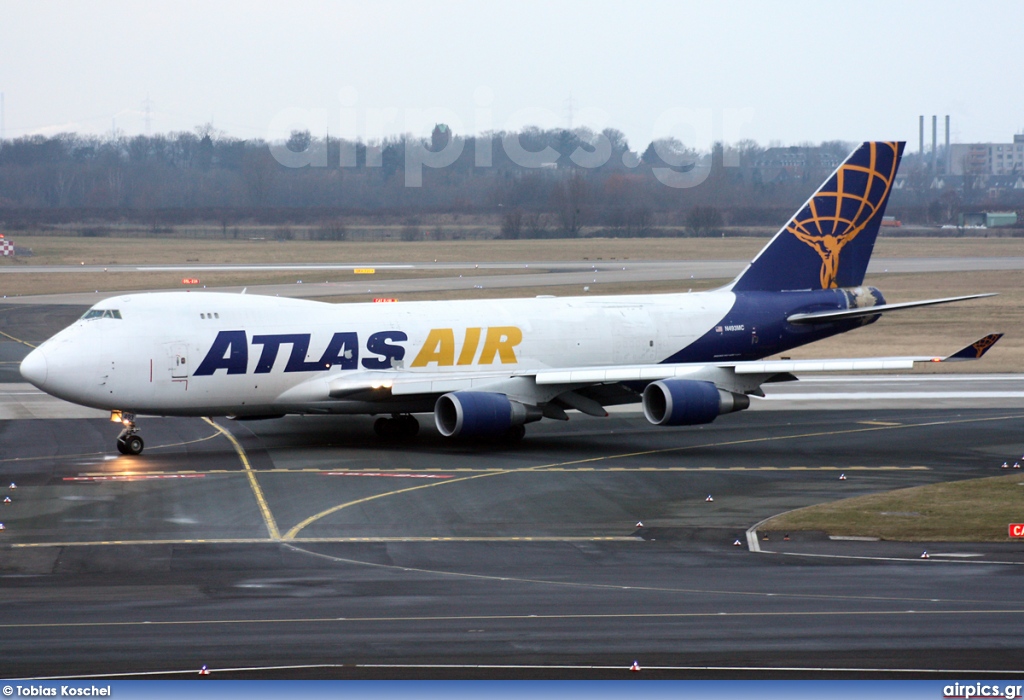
{"points": [[101, 313]]}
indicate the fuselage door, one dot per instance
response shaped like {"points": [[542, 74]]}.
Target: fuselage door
{"points": [[178, 356]]}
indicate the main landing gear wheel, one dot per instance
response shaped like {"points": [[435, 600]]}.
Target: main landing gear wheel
{"points": [[402, 427]]}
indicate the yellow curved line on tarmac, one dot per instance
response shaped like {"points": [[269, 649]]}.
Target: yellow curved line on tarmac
{"points": [[290, 535], [18, 340], [268, 517]]}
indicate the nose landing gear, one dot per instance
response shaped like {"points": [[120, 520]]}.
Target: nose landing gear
{"points": [[128, 442]]}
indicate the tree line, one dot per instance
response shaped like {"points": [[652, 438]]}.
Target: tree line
{"points": [[535, 182]]}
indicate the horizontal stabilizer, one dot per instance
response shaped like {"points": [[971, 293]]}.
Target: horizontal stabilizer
{"points": [[828, 316]]}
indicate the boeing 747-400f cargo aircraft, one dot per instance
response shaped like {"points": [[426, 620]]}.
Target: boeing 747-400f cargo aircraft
{"points": [[486, 368]]}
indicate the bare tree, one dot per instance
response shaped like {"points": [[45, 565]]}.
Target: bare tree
{"points": [[536, 224], [512, 224], [568, 198], [704, 221]]}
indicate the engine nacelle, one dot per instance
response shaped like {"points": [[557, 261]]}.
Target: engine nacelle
{"points": [[480, 414], [689, 402]]}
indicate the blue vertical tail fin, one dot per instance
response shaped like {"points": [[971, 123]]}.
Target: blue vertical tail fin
{"points": [[828, 242]]}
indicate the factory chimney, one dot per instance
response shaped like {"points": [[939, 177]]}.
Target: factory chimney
{"points": [[935, 139], [947, 146]]}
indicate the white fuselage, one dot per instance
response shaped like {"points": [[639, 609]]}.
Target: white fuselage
{"points": [[181, 353]]}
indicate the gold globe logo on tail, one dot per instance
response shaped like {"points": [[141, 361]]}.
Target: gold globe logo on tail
{"points": [[833, 218]]}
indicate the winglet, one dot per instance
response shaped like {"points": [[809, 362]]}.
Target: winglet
{"points": [[975, 350]]}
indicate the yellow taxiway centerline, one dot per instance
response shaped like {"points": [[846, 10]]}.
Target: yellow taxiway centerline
{"points": [[268, 517], [18, 340]]}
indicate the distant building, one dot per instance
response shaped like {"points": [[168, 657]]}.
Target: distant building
{"points": [[796, 162], [6, 247], [987, 158], [988, 219]]}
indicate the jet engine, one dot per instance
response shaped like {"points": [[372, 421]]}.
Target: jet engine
{"points": [[689, 402], [472, 414]]}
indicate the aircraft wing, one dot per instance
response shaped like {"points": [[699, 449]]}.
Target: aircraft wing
{"points": [[746, 377], [544, 384], [974, 351]]}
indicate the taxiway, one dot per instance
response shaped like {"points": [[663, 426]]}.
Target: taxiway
{"points": [[306, 541]]}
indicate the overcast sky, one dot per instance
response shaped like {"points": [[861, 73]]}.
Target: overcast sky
{"points": [[787, 72]]}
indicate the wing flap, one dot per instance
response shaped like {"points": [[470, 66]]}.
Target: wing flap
{"points": [[615, 374], [380, 385]]}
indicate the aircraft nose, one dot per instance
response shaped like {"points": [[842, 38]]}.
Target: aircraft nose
{"points": [[33, 367]]}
